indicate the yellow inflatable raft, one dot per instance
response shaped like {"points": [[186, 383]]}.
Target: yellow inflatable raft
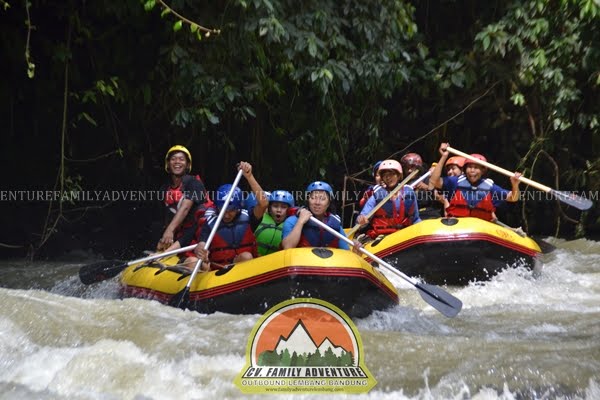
{"points": [[252, 287], [456, 250]]}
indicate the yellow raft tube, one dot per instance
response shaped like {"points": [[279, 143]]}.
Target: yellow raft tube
{"points": [[252, 287], [456, 250]]}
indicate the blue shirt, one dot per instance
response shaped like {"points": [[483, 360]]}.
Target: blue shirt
{"points": [[290, 222]]}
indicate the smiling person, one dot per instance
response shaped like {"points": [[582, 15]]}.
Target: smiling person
{"points": [[185, 197], [400, 211], [454, 166], [470, 194], [300, 231]]}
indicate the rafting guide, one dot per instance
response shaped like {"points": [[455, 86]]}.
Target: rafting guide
{"points": [[304, 345]]}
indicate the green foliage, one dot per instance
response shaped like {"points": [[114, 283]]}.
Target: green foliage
{"points": [[310, 89], [554, 48], [549, 52], [346, 57]]}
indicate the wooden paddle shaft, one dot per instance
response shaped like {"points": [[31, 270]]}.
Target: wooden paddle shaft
{"points": [[501, 170], [364, 251]]}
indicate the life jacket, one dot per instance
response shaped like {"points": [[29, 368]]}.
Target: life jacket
{"points": [[232, 239], [483, 208], [314, 235], [429, 206], [367, 194], [268, 235], [173, 199], [389, 217], [210, 212]]}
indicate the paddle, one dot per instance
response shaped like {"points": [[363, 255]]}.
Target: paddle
{"points": [[438, 298], [182, 298], [356, 227], [103, 270], [571, 199]]}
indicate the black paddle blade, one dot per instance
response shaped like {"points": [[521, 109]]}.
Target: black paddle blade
{"points": [[100, 271], [545, 246], [573, 200], [439, 299], [181, 299]]}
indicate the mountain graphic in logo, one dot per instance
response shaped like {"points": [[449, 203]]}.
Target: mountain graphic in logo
{"points": [[301, 342], [300, 349]]}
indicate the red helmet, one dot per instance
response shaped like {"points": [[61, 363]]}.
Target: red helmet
{"points": [[391, 165], [477, 156], [411, 160], [460, 161]]}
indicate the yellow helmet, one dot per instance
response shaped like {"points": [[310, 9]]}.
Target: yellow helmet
{"points": [[181, 149]]}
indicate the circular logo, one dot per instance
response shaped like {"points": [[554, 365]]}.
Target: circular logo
{"points": [[305, 345]]}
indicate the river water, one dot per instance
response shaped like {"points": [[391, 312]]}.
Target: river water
{"points": [[517, 337]]}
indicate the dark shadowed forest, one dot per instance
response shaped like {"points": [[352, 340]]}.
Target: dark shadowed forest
{"points": [[94, 93]]}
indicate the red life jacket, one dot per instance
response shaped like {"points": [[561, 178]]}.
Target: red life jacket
{"points": [[173, 198], [389, 218], [459, 206], [232, 239]]}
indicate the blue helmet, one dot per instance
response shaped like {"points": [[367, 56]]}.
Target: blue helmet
{"points": [[235, 203], [282, 196], [376, 167], [320, 185], [250, 201]]}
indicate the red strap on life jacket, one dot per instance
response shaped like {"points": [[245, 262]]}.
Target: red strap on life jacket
{"points": [[459, 207]]}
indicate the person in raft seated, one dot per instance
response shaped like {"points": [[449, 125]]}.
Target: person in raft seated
{"points": [[470, 194], [234, 240], [454, 166], [300, 231], [185, 197], [398, 212], [269, 229], [267, 213], [371, 189], [431, 202], [234, 217]]}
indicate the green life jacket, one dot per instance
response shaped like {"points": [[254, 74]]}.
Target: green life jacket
{"points": [[268, 235]]}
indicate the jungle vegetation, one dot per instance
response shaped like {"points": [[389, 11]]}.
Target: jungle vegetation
{"points": [[94, 93]]}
